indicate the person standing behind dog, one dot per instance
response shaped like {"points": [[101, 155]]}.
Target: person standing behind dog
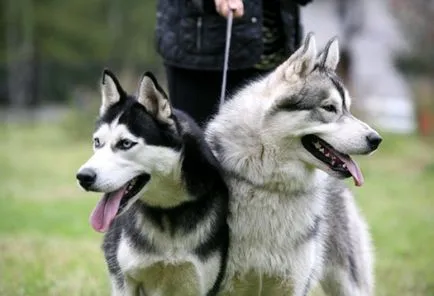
{"points": [[190, 37]]}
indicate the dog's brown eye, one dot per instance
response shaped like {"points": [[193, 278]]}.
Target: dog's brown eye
{"points": [[329, 108], [96, 143]]}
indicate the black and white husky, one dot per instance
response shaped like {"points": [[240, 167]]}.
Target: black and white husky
{"points": [[285, 142], [165, 203]]}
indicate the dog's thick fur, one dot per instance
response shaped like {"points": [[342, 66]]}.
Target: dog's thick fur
{"points": [[171, 237], [293, 222]]}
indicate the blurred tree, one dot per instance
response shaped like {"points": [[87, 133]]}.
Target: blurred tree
{"points": [[53, 47], [19, 51], [416, 22]]}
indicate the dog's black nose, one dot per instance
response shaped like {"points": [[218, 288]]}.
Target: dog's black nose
{"points": [[374, 140], [86, 177]]}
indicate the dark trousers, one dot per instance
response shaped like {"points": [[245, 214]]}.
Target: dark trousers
{"points": [[197, 92]]}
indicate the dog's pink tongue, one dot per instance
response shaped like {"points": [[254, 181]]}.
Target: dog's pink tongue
{"points": [[106, 209], [355, 171]]}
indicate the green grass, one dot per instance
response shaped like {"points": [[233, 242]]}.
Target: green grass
{"points": [[48, 248], [46, 244]]}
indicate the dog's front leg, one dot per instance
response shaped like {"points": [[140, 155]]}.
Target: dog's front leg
{"points": [[305, 267], [124, 287]]}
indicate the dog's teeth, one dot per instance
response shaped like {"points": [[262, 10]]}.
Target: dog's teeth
{"points": [[317, 145], [333, 162], [321, 149]]}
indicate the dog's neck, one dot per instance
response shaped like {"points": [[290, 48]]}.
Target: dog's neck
{"points": [[262, 170], [165, 188]]}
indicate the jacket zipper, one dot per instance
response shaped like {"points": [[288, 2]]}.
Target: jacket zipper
{"points": [[199, 33]]}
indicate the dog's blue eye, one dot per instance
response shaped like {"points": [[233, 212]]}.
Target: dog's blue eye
{"points": [[329, 108], [125, 144], [96, 143]]}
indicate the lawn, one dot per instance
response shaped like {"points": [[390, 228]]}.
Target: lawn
{"points": [[48, 248]]}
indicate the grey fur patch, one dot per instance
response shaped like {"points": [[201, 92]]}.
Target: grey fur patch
{"points": [[310, 234], [307, 287], [270, 187], [215, 145], [243, 179], [308, 99], [353, 268], [337, 82]]}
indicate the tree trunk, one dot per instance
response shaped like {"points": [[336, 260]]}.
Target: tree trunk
{"points": [[19, 52]]}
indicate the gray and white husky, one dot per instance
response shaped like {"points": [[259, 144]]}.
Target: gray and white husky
{"points": [[165, 202], [284, 143]]}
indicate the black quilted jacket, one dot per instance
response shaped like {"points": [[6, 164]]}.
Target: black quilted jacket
{"points": [[193, 36]]}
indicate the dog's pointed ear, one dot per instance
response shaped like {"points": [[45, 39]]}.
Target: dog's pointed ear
{"points": [[111, 90], [154, 99], [300, 63], [329, 57], [305, 58]]}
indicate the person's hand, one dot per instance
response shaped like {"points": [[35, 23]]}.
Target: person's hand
{"points": [[223, 7]]}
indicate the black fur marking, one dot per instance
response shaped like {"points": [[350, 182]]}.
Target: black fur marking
{"points": [[203, 180], [137, 237], [143, 125], [119, 88], [140, 123], [110, 247], [159, 90], [157, 85], [138, 120], [199, 163], [183, 218], [218, 242]]}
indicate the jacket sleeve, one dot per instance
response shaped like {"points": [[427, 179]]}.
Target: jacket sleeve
{"points": [[204, 6], [302, 2]]}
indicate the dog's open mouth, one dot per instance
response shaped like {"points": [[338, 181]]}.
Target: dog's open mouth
{"points": [[334, 159], [112, 203]]}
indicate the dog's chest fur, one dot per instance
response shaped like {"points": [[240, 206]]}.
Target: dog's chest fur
{"points": [[169, 266], [271, 227]]}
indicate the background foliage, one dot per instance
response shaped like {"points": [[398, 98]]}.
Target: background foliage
{"points": [[53, 47]]}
